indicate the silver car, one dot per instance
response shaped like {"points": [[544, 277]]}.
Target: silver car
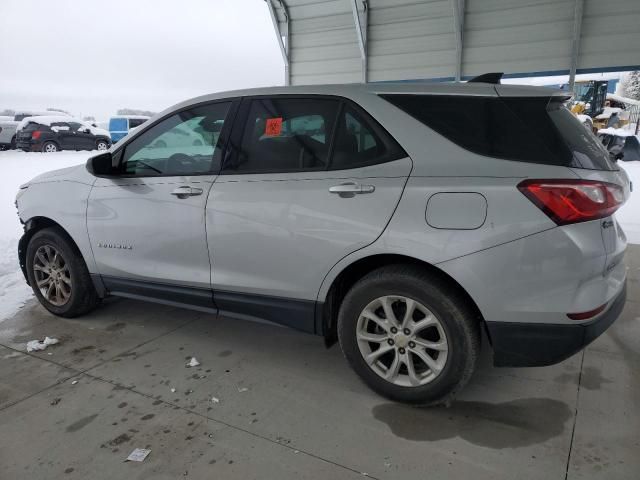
{"points": [[401, 220]]}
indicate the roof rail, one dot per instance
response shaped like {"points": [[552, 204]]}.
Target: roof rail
{"points": [[487, 78]]}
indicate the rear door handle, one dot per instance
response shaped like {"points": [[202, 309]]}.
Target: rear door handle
{"points": [[185, 191], [347, 190]]}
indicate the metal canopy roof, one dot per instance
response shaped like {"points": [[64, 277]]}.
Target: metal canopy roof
{"points": [[330, 41]]}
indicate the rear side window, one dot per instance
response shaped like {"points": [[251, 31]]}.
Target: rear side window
{"points": [[60, 127], [307, 134], [357, 143], [30, 127], [525, 129], [285, 135]]}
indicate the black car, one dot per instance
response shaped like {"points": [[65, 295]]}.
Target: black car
{"points": [[44, 135]]}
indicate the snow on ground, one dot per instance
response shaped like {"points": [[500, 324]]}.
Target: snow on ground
{"points": [[17, 168]]}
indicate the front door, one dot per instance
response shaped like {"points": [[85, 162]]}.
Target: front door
{"points": [[291, 202], [146, 225]]}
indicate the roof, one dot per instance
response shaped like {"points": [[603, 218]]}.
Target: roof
{"points": [[47, 120], [356, 89]]}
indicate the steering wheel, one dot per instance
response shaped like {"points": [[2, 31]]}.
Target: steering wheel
{"points": [[181, 162]]}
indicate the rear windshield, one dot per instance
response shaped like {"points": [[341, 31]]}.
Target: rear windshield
{"points": [[30, 127], [524, 129]]}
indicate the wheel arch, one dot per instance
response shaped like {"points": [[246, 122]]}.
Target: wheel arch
{"points": [[33, 226], [329, 305]]}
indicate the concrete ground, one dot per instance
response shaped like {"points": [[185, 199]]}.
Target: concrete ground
{"points": [[289, 408]]}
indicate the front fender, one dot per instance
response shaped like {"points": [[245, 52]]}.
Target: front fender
{"points": [[62, 204]]}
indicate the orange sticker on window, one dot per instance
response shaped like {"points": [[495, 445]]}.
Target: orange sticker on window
{"points": [[273, 127]]}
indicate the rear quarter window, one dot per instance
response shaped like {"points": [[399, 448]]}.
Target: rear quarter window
{"points": [[525, 129]]}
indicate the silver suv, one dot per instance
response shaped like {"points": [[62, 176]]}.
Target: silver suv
{"points": [[400, 219]]}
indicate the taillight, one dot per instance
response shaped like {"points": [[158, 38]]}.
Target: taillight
{"points": [[572, 201], [35, 135], [586, 315]]}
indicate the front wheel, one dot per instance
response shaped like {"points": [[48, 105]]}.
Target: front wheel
{"points": [[58, 275], [102, 145], [49, 147], [410, 336]]}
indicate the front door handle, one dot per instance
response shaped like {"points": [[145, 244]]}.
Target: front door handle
{"points": [[347, 190], [185, 191]]}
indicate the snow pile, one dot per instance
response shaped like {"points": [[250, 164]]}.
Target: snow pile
{"points": [[18, 168], [584, 118], [629, 215], [608, 111], [619, 132], [47, 120]]}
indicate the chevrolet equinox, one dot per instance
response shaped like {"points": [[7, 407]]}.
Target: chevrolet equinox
{"points": [[401, 220]]}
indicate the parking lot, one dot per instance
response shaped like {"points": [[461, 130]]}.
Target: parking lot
{"points": [[268, 402]]}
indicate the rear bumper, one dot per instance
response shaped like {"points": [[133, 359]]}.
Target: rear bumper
{"points": [[538, 344], [29, 146]]}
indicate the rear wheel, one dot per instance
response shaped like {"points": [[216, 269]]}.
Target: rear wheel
{"points": [[58, 275], [49, 147], [410, 337], [12, 145]]}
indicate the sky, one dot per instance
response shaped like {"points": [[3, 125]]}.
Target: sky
{"points": [[93, 57]]}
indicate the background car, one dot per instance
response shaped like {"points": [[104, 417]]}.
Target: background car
{"points": [[9, 125], [120, 126], [54, 133]]}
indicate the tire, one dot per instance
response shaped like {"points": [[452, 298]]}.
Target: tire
{"points": [[102, 145], [80, 293], [451, 326], [12, 145], [50, 147]]}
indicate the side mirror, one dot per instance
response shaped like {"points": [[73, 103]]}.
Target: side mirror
{"points": [[102, 165]]}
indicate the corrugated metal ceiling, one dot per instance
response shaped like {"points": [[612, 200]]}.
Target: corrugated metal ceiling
{"points": [[416, 39]]}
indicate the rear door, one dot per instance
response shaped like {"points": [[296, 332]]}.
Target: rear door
{"points": [[309, 180], [66, 136], [84, 139]]}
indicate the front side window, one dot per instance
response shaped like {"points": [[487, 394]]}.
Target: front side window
{"points": [[186, 143], [285, 135]]}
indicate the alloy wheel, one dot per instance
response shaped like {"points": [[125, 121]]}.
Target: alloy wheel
{"points": [[52, 275], [402, 341], [102, 146], [50, 147]]}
